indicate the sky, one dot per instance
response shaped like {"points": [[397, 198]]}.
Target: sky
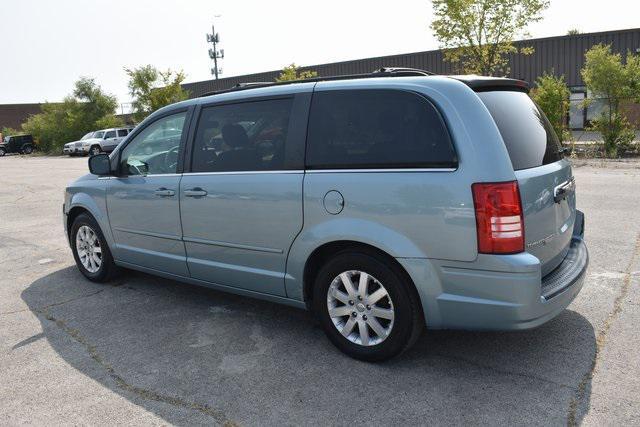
{"points": [[45, 45]]}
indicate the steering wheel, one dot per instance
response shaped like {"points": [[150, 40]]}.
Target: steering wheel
{"points": [[171, 159]]}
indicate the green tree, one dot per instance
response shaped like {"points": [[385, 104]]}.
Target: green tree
{"points": [[552, 96], [607, 77], [573, 32], [478, 35], [152, 89], [7, 131], [292, 72], [109, 121], [80, 112]]}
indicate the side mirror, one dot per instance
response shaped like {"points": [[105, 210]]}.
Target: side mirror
{"points": [[100, 165]]}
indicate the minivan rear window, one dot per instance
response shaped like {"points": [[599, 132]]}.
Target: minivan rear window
{"points": [[376, 129], [526, 131]]}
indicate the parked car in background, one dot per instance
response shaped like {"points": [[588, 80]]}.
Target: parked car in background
{"points": [[101, 141], [75, 147], [384, 203], [22, 144]]}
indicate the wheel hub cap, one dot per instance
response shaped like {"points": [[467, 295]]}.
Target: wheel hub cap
{"points": [[368, 321], [88, 248]]}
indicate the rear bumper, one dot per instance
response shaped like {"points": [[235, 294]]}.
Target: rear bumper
{"points": [[503, 292]]}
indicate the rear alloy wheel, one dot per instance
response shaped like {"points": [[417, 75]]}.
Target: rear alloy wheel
{"points": [[360, 308], [366, 306], [95, 150], [90, 249], [27, 150]]}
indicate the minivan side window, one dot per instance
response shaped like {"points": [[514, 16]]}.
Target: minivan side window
{"points": [[360, 129], [155, 149], [247, 136], [527, 134]]}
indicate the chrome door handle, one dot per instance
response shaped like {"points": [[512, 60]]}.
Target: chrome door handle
{"points": [[564, 189], [164, 192], [195, 192]]}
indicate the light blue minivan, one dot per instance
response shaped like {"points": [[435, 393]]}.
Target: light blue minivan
{"points": [[383, 202]]}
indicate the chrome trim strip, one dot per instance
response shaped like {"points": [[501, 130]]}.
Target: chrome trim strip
{"points": [[244, 172], [395, 170], [157, 174], [235, 268], [148, 233], [166, 175], [231, 245], [150, 252]]}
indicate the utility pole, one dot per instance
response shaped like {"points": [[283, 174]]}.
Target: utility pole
{"points": [[214, 53]]}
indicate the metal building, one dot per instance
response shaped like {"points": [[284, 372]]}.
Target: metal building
{"points": [[563, 55]]}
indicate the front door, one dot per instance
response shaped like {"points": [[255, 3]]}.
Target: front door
{"points": [[241, 202], [110, 141], [143, 202]]}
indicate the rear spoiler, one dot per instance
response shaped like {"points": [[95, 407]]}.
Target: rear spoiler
{"points": [[485, 84]]}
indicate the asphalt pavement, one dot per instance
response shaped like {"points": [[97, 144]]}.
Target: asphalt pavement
{"points": [[144, 350]]}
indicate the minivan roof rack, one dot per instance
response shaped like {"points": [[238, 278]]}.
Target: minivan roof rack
{"points": [[380, 72]]}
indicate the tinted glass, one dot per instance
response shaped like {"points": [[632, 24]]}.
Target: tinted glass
{"points": [[155, 149], [242, 137], [110, 134], [98, 134], [376, 129], [122, 132], [527, 134]]}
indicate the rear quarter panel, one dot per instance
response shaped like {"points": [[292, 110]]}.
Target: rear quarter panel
{"points": [[421, 214]]}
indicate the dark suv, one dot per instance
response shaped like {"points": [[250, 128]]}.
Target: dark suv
{"points": [[22, 144]]}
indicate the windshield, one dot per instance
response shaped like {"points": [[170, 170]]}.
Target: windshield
{"points": [[98, 134], [6, 139], [87, 136]]}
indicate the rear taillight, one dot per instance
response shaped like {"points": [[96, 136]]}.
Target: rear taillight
{"points": [[498, 217]]}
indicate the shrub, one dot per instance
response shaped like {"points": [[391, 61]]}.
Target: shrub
{"points": [[552, 96]]}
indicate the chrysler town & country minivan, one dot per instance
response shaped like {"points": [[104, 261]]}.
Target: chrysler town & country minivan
{"points": [[384, 203]]}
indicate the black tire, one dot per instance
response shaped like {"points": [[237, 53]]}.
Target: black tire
{"points": [[27, 149], [108, 268], [95, 150], [408, 321], [2, 152]]}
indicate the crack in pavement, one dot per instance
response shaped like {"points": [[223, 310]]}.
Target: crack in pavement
{"points": [[503, 371], [120, 382], [601, 338], [55, 304]]}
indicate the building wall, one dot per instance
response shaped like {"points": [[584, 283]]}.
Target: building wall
{"points": [[560, 55], [13, 115]]}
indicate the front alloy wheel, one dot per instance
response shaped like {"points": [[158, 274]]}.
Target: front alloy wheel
{"points": [[94, 150], [360, 308], [88, 248]]}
